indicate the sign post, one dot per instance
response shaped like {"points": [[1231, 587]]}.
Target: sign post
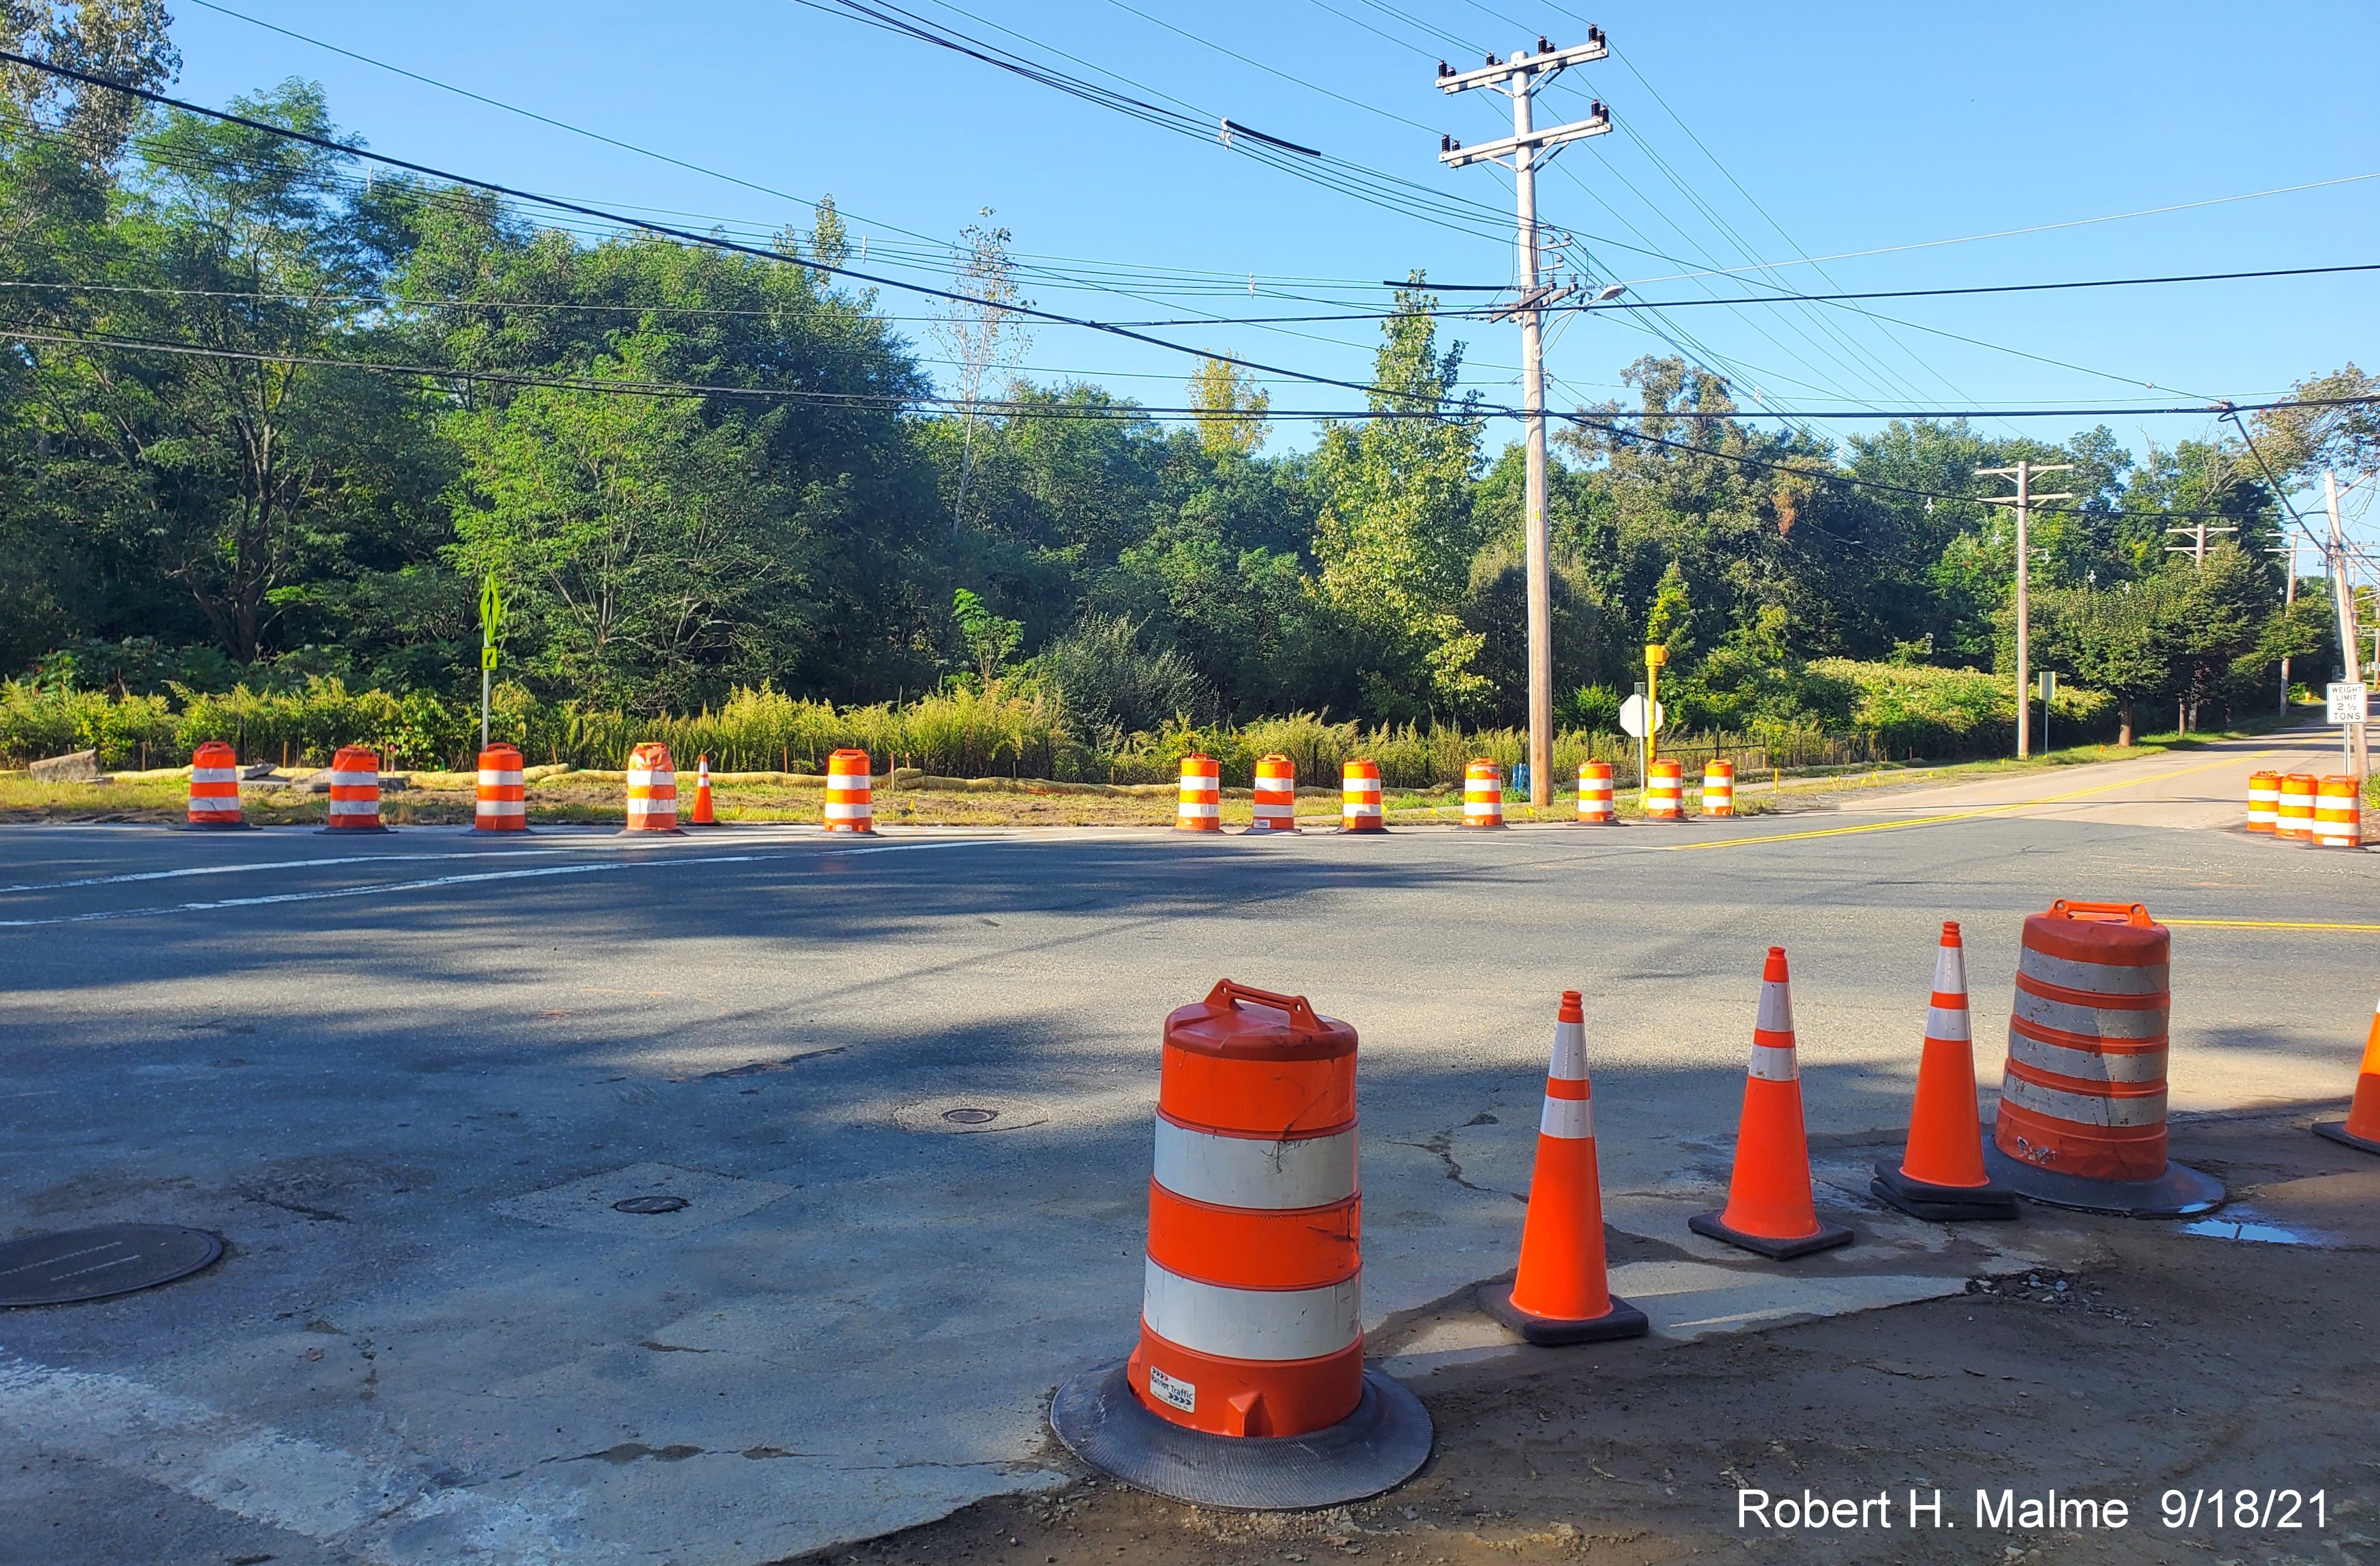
{"points": [[2348, 704], [2048, 694], [1642, 717], [492, 614]]}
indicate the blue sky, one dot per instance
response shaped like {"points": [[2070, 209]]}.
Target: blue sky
{"points": [[1744, 134]]}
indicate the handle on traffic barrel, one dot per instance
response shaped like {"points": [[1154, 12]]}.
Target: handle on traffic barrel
{"points": [[2133, 914], [1300, 1015]]}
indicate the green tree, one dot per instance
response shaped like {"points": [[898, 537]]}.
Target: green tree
{"points": [[1395, 535], [990, 640], [654, 560], [1231, 407], [2116, 640]]}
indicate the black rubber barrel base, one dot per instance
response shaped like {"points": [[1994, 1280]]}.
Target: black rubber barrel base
{"points": [[350, 831], [651, 832], [1828, 1236], [2337, 1131], [1360, 831], [213, 826], [2179, 1192], [1940, 1204], [1377, 1448], [1622, 1320]]}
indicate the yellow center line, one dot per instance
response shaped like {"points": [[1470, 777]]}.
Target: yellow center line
{"points": [[1980, 810]]}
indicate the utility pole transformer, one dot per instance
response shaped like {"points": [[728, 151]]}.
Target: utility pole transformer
{"points": [[2024, 501], [1524, 151]]}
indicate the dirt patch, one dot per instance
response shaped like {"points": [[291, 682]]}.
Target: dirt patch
{"points": [[2142, 1358]]}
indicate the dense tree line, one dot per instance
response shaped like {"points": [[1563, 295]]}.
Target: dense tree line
{"points": [[406, 386]]}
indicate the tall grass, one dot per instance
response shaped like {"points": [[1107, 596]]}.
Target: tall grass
{"points": [[1005, 729]]}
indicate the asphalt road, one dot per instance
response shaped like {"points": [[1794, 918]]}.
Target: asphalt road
{"points": [[406, 1078]]}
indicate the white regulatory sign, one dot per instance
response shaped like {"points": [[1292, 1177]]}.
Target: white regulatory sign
{"points": [[2348, 702], [1632, 716]]}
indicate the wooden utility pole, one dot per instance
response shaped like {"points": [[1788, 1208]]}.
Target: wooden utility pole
{"points": [[2023, 501], [2359, 757], [1524, 151]]}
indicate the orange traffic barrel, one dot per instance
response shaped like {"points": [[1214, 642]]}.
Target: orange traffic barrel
{"points": [[2264, 800], [504, 797], [1595, 807], [2293, 819], [1359, 798], [1276, 796], [354, 791], [2361, 1127], [215, 788], [1940, 1175], [2083, 1097], [1718, 787], [1482, 794], [1248, 1386], [1199, 807], [652, 789], [2338, 814], [1665, 791], [850, 793]]}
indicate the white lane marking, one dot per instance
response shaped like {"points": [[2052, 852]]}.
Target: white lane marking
{"points": [[376, 888], [380, 1509], [268, 864]]}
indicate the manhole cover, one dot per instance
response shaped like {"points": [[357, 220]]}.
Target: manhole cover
{"points": [[977, 1111], [92, 1264], [650, 1204]]}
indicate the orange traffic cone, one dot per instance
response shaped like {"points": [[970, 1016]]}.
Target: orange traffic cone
{"points": [[702, 816], [1560, 1294], [2362, 1126], [1769, 1203], [1940, 1175]]}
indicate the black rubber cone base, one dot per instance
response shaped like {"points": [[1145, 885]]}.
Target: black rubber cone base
{"points": [[94, 1264], [1940, 1204], [1377, 1448], [2337, 1131], [1622, 1320], [1828, 1236], [2179, 1192]]}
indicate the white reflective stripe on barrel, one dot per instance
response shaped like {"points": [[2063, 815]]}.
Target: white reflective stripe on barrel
{"points": [[1572, 1120], [1200, 811], [491, 779], [1772, 1064], [215, 775], [1242, 1171], [850, 812], [355, 807], [1265, 1324], [2083, 1108], [639, 807], [652, 780], [1361, 785], [1483, 807], [2087, 1065], [1947, 1023], [2100, 979], [2089, 1021], [504, 807], [355, 780], [1776, 1008], [1352, 808]]}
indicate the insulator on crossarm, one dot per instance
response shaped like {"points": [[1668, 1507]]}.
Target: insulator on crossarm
{"points": [[1544, 47]]}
